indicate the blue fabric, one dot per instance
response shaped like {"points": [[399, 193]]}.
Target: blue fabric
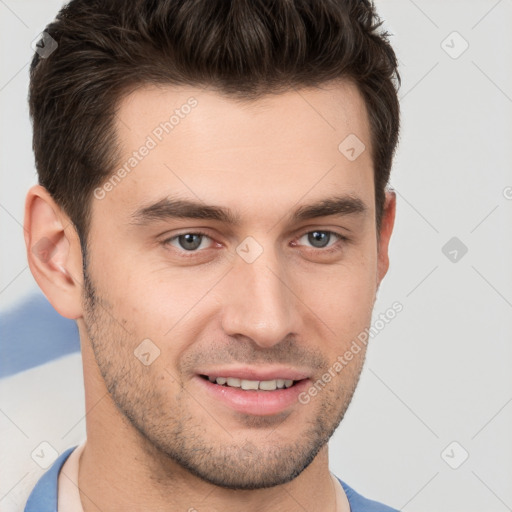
{"points": [[33, 333], [44, 495], [359, 503]]}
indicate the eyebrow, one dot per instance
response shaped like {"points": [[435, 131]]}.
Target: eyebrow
{"points": [[176, 208]]}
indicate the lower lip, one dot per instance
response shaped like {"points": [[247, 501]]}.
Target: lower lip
{"points": [[258, 403]]}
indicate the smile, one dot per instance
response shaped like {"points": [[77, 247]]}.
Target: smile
{"points": [[253, 391], [251, 385]]}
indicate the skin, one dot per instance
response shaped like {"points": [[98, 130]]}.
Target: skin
{"points": [[151, 430]]}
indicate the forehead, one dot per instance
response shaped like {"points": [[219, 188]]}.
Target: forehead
{"points": [[200, 144], [328, 110]]}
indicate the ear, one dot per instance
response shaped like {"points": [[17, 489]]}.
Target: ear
{"points": [[387, 223], [53, 252]]}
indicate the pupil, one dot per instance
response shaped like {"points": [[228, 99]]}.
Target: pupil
{"points": [[190, 241], [319, 236]]}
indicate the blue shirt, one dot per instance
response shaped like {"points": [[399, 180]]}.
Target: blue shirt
{"points": [[43, 497]]}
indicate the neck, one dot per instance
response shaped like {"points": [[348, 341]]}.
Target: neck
{"points": [[115, 475]]}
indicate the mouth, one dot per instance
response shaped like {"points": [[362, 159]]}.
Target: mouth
{"points": [[253, 391], [251, 385]]}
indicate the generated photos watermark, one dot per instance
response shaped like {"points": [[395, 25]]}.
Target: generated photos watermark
{"points": [[344, 359]]}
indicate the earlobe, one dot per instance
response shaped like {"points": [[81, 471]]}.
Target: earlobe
{"points": [[388, 221], [53, 252]]}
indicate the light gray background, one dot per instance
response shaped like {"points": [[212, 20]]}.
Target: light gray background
{"points": [[440, 371]]}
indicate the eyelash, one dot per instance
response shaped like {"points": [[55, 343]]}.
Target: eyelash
{"points": [[333, 248]]}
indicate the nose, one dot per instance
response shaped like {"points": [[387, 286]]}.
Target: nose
{"points": [[259, 302]]}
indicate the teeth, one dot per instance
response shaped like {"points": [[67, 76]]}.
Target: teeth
{"points": [[234, 383], [249, 384], [264, 385], [268, 385]]}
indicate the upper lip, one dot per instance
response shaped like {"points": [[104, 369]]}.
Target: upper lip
{"points": [[255, 373]]}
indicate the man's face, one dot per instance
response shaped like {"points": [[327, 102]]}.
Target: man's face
{"points": [[271, 298]]}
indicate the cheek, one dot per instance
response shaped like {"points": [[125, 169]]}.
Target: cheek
{"points": [[348, 305], [155, 304], [344, 298]]}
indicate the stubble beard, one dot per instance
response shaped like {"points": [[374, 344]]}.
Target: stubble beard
{"points": [[171, 434]]}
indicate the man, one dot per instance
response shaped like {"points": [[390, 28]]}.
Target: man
{"points": [[213, 213]]}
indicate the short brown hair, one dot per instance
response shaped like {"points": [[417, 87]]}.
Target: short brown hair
{"points": [[242, 48]]}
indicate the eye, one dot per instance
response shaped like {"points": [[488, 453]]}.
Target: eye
{"points": [[320, 239], [193, 242], [189, 242]]}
